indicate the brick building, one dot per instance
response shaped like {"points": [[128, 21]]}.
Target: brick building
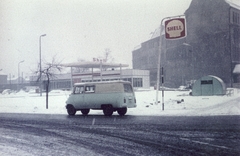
{"points": [[212, 46]]}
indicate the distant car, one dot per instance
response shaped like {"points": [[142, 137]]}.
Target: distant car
{"points": [[183, 88], [164, 88], [107, 96], [6, 91]]}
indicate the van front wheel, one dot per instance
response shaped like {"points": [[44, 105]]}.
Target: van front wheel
{"points": [[122, 111], [71, 110], [108, 110]]}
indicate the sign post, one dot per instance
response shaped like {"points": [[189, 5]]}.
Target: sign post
{"points": [[175, 28]]}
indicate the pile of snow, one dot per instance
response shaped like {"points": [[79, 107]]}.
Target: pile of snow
{"points": [[177, 103]]}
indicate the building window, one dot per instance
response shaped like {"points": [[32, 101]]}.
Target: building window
{"points": [[235, 18], [137, 82], [128, 79], [206, 82]]}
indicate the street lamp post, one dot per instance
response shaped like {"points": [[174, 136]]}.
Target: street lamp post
{"points": [[40, 64], [18, 73]]}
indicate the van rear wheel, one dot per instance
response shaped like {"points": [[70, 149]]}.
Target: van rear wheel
{"points": [[71, 110], [122, 111], [108, 110], [85, 111]]}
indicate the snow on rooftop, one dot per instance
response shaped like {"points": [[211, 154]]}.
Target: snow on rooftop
{"points": [[236, 69], [233, 3], [137, 47], [2, 73], [156, 33]]}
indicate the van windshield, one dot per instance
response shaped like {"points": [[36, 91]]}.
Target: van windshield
{"points": [[127, 88]]}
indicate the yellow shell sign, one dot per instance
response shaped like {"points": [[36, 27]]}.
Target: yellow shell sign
{"points": [[175, 28]]}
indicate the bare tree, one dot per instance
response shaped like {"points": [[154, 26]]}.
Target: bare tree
{"points": [[107, 55], [49, 71]]}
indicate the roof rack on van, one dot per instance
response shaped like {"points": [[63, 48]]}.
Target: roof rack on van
{"points": [[113, 81]]}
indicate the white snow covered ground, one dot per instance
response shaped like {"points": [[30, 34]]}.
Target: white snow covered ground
{"points": [[23, 102]]}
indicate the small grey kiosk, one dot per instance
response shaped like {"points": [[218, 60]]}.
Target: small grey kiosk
{"points": [[208, 86]]}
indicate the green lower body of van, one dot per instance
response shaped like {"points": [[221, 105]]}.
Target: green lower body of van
{"points": [[108, 102]]}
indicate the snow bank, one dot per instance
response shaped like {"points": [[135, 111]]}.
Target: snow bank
{"points": [[177, 103]]}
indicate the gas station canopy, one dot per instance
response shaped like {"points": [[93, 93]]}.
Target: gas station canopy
{"points": [[98, 64], [95, 65]]}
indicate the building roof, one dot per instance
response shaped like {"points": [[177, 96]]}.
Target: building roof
{"points": [[156, 32], [95, 65], [233, 3], [2, 73]]}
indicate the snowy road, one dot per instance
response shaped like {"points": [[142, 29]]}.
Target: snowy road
{"points": [[42, 134]]}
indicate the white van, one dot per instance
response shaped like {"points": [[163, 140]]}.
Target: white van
{"points": [[109, 96]]}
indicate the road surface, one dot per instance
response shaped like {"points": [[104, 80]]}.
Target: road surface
{"points": [[39, 134]]}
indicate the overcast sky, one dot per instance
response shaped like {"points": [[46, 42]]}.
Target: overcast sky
{"points": [[77, 29]]}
